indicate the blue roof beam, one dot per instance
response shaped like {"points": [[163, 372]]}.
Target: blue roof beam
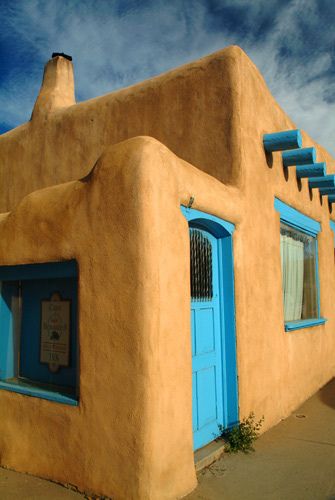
{"points": [[327, 191], [328, 181], [303, 156], [331, 198], [311, 170], [281, 141]]}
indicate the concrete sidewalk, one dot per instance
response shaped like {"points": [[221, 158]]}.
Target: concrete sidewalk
{"points": [[293, 461], [16, 486]]}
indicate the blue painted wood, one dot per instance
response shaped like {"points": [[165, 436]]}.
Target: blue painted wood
{"points": [[312, 170], [317, 278], [207, 361], [332, 226], [218, 227], [8, 360], [299, 157], [39, 393], [296, 219], [304, 323], [227, 414], [328, 181], [281, 141], [226, 274], [331, 198], [327, 191], [46, 270]]}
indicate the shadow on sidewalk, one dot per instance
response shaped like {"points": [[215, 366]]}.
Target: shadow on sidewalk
{"points": [[327, 394]]}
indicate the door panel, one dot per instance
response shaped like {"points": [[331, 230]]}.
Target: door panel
{"points": [[207, 397], [204, 332]]}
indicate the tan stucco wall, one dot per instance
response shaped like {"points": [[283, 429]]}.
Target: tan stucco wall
{"points": [[131, 436], [277, 370]]}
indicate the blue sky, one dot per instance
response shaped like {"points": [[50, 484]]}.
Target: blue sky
{"points": [[119, 42]]}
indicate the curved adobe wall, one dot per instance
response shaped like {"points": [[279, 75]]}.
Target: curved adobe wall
{"points": [[131, 436]]}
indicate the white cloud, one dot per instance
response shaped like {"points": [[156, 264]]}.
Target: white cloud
{"points": [[298, 84], [112, 48]]}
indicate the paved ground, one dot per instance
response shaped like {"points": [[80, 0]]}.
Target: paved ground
{"points": [[15, 486], [293, 461]]}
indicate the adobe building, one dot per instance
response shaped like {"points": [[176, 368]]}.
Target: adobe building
{"points": [[166, 267]]}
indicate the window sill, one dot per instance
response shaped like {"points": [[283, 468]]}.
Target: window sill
{"points": [[304, 323], [38, 393]]}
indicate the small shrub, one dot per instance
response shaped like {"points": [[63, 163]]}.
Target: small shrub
{"points": [[242, 436]]}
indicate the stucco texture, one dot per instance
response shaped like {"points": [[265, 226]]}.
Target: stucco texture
{"points": [[131, 436]]}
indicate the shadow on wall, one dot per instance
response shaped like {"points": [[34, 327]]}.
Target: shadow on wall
{"points": [[327, 395]]}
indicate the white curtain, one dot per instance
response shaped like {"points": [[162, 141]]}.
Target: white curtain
{"points": [[292, 264]]}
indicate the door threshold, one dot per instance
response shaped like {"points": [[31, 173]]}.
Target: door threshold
{"points": [[208, 454]]}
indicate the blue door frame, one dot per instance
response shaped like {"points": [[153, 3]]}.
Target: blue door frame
{"points": [[226, 385]]}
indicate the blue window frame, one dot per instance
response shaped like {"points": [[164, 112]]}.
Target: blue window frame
{"points": [[38, 330], [332, 227], [299, 263]]}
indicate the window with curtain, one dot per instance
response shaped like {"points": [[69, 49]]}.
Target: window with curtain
{"points": [[298, 262], [299, 265]]}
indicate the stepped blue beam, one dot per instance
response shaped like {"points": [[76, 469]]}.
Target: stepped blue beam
{"points": [[299, 157], [328, 181], [331, 198], [312, 170], [280, 141], [327, 191]]}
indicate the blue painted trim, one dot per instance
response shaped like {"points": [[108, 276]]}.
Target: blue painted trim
{"points": [[332, 226], [8, 362], [326, 191], [331, 198], [328, 181], [65, 269], [293, 217], [312, 170], [227, 288], [317, 278], [304, 323], [39, 393], [213, 223], [299, 156], [280, 141], [223, 231]]}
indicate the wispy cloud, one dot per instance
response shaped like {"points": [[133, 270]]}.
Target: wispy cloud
{"points": [[297, 59], [117, 43]]}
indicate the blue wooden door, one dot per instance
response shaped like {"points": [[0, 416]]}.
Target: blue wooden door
{"points": [[206, 337]]}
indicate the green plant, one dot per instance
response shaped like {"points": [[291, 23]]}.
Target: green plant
{"points": [[241, 436]]}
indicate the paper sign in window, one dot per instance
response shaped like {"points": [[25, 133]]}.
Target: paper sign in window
{"points": [[55, 332]]}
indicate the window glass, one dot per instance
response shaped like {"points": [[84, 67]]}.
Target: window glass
{"points": [[201, 266], [38, 329], [298, 262]]}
